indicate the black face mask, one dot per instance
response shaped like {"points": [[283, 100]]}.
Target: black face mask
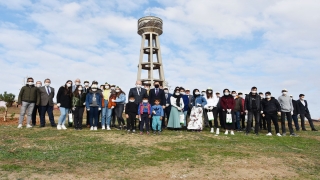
{"points": [[156, 86]]}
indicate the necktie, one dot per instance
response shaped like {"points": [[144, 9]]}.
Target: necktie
{"points": [[48, 89]]}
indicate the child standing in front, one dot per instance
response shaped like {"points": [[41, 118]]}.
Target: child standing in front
{"points": [[144, 112], [157, 112], [131, 113]]}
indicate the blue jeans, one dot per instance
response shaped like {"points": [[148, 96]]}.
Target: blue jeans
{"points": [[185, 118], [106, 114], [63, 115], [94, 114], [238, 119]]}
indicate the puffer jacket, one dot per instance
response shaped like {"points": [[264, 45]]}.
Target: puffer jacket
{"points": [[271, 106]]}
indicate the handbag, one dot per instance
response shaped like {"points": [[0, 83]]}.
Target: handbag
{"points": [[210, 116], [182, 118], [229, 118], [70, 116]]}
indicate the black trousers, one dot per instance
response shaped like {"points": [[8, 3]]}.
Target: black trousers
{"points": [[243, 120], [274, 118], [263, 122], [283, 122], [78, 116], [215, 116], [88, 118], [167, 111], [302, 116], [256, 115], [222, 122], [296, 123], [113, 118], [34, 114], [131, 121]]}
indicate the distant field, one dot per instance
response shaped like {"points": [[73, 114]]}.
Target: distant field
{"points": [[51, 154]]}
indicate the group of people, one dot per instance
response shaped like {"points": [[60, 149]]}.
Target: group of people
{"points": [[157, 108]]}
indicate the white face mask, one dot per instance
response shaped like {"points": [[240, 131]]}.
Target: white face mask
{"points": [[112, 88], [197, 93], [68, 85], [86, 84], [166, 91], [138, 86], [302, 99], [117, 90], [268, 97], [131, 100], [38, 85], [227, 94], [80, 89], [203, 93], [94, 89], [107, 87], [284, 93], [145, 101], [209, 91], [30, 83], [254, 92], [177, 94], [234, 95], [77, 83], [182, 93], [47, 84], [261, 96], [240, 96]]}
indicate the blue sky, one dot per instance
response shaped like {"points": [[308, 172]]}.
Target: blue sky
{"points": [[270, 44]]}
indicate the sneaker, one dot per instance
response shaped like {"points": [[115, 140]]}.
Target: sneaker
{"points": [[128, 131], [284, 134], [269, 134], [294, 135], [91, 128], [278, 134], [108, 128], [148, 133], [133, 131], [95, 128], [103, 127], [232, 133], [226, 133], [212, 130], [141, 132], [63, 127], [59, 127], [29, 126], [314, 129], [217, 131], [20, 126]]}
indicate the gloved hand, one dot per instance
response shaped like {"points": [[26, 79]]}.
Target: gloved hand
{"points": [[99, 109], [58, 104]]}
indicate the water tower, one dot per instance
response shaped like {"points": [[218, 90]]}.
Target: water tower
{"points": [[150, 28]]}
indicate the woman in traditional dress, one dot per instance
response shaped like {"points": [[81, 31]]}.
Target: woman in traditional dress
{"points": [[197, 103], [177, 106]]}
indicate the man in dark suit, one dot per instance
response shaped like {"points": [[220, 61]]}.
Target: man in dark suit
{"points": [[304, 112], [295, 113], [138, 93], [46, 103], [36, 108], [157, 93], [168, 107]]}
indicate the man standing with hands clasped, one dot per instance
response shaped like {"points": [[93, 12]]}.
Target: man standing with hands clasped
{"points": [[46, 103], [286, 111]]}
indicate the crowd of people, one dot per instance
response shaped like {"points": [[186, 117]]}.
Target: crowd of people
{"points": [[155, 109]]}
